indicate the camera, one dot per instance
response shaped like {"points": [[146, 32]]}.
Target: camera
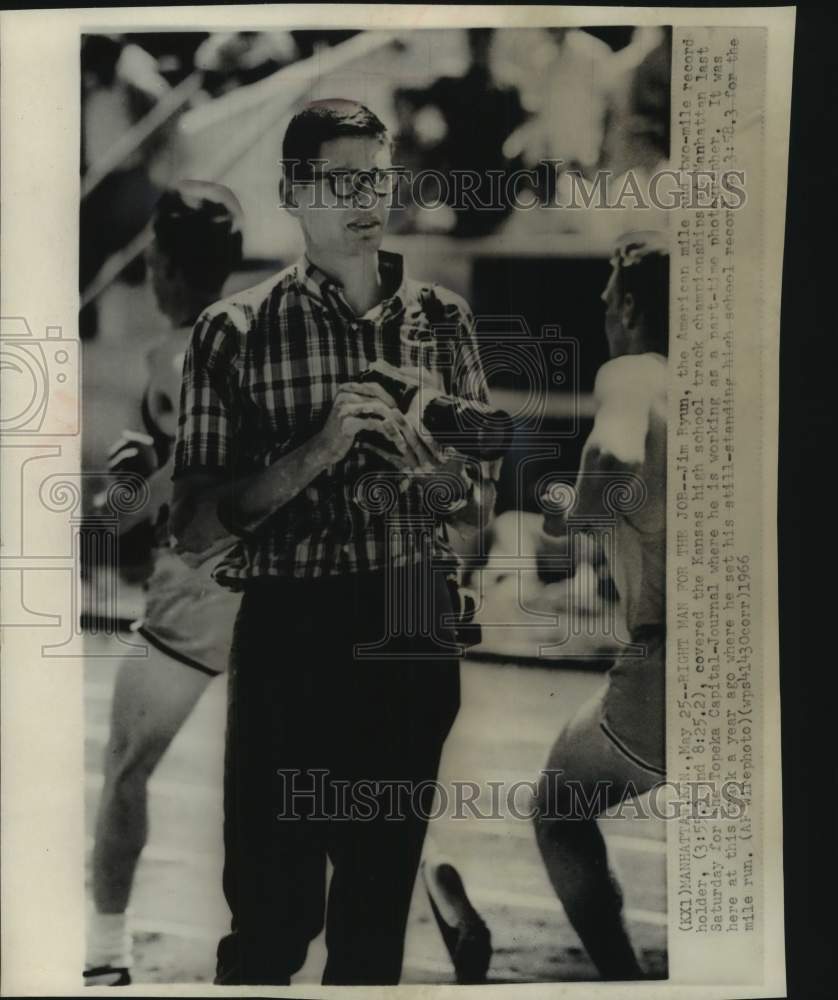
{"points": [[40, 380], [536, 377], [479, 432]]}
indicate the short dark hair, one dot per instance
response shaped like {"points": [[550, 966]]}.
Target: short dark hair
{"points": [[643, 272], [198, 226], [320, 121]]}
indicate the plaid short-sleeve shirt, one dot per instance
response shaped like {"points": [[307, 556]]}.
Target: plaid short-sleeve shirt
{"points": [[259, 378]]}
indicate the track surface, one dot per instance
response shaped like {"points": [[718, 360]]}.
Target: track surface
{"points": [[509, 718]]}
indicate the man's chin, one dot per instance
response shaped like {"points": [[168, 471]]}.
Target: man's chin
{"points": [[366, 243]]}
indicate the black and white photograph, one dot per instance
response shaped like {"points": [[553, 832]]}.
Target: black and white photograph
{"points": [[390, 516], [381, 393]]}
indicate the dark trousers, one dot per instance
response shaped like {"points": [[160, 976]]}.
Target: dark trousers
{"points": [[328, 755]]}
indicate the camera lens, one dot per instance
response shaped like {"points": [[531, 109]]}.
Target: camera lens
{"points": [[472, 430]]}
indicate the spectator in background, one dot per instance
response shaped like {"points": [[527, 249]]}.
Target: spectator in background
{"points": [[120, 85], [638, 104], [173, 50], [636, 137], [188, 620], [592, 108], [613, 748], [561, 75], [460, 139], [572, 84], [237, 58]]}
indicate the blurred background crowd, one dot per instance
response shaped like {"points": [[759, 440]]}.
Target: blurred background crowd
{"points": [[480, 99], [161, 106]]}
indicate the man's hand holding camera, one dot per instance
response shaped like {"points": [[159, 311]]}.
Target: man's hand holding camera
{"points": [[364, 414], [356, 407], [417, 452], [368, 407]]}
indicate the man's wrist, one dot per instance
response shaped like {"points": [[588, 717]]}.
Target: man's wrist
{"points": [[321, 453]]}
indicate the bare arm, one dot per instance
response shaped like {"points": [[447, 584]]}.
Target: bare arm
{"points": [[199, 497], [600, 468], [616, 445]]}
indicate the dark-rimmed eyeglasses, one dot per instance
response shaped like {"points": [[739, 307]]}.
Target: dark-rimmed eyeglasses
{"points": [[345, 184]]}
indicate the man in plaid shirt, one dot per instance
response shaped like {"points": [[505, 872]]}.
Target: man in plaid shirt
{"points": [[344, 678]]}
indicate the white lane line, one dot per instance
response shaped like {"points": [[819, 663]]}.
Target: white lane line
{"points": [[547, 904]]}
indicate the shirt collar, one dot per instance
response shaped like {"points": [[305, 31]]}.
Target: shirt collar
{"points": [[314, 282]]}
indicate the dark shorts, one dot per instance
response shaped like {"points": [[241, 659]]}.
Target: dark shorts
{"points": [[634, 703]]}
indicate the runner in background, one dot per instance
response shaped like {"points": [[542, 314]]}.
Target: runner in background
{"points": [[613, 748], [189, 619]]}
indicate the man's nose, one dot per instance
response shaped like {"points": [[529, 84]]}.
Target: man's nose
{"points": [[365, 198]]}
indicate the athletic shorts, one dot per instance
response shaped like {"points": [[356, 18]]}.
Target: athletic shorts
{"points": [[633, 704], [585, 753], [188, 616]]}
